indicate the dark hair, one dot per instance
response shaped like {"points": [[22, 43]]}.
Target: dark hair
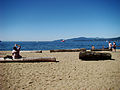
{"points": [[15, 48]]}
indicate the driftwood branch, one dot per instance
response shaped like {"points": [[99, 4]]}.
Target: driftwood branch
{"points": [[68, 50]]}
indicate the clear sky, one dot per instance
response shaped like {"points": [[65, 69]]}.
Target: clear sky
{"points": [[47, 20]]}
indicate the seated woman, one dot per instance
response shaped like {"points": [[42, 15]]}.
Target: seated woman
{"points": [[16, 52]]}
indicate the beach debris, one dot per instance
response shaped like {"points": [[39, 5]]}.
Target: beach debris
{"points": [[68, 50], [30, 82], [89, 55], [30, 59]]}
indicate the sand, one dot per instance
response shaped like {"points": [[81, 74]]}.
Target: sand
{"points": [[70, 73]]}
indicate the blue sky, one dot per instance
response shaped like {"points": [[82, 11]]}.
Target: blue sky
{"points": [[47, 20]]}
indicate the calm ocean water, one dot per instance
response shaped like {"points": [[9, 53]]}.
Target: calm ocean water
{"points": [[4, 45]]}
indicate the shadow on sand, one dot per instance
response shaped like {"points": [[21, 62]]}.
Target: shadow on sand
{"points": [[26, 61], [97, 60]]}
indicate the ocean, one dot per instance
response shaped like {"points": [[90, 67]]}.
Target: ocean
{"points": [[51, 45]]}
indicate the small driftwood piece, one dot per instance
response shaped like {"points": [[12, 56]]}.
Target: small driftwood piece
{"points": [[68, 50], [30, 59], [32, 51], [88, 55]]}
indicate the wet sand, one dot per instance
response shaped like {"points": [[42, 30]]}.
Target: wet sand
{"points": [[70, 73]]}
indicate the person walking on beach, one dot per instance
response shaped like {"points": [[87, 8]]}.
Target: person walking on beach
{"points": [[110, 46], [16, 52], [114, 46]]}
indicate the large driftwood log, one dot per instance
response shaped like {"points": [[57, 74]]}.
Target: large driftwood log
{"points": [[68, 50], [32, 51], [94, 56], [100, 50], [30, 59]]}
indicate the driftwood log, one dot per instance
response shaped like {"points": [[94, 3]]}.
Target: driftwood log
{"points": [[32, 51], [100, 50], [2, 55], [94, 56], [30, 59], [68, 50]]}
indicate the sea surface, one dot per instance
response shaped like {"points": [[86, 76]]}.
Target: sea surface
{"points": [[40, 45]]}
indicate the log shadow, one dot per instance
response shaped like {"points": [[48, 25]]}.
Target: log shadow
{"points": [[27, 61], [96, 59]]}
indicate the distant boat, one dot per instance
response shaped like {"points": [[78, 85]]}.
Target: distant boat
{"points": [[0, 41], [106, 40], [62, 40]]}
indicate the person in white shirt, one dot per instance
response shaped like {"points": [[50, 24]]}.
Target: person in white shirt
{"points": [[110, 46]]}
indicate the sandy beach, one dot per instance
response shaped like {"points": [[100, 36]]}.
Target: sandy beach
{"points": [[70, 73]]}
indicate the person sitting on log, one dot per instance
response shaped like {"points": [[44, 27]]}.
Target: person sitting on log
{"points": [[16, 52]]}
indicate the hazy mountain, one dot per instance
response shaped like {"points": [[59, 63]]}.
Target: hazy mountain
{"points": [[90, 39]]}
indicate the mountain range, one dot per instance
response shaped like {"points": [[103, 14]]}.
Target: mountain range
{"points": [[91, 39]]}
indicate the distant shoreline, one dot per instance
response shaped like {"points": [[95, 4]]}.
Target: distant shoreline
{"points": [[73, 39], [47, 50]]}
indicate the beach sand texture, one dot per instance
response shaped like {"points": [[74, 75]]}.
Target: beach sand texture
{"points": [[70, 73]]}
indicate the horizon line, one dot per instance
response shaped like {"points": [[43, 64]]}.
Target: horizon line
{"points": [[54, 40]]}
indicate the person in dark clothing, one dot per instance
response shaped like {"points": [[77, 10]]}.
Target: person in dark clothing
{"points": [[114, 46], [16, 52]]}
